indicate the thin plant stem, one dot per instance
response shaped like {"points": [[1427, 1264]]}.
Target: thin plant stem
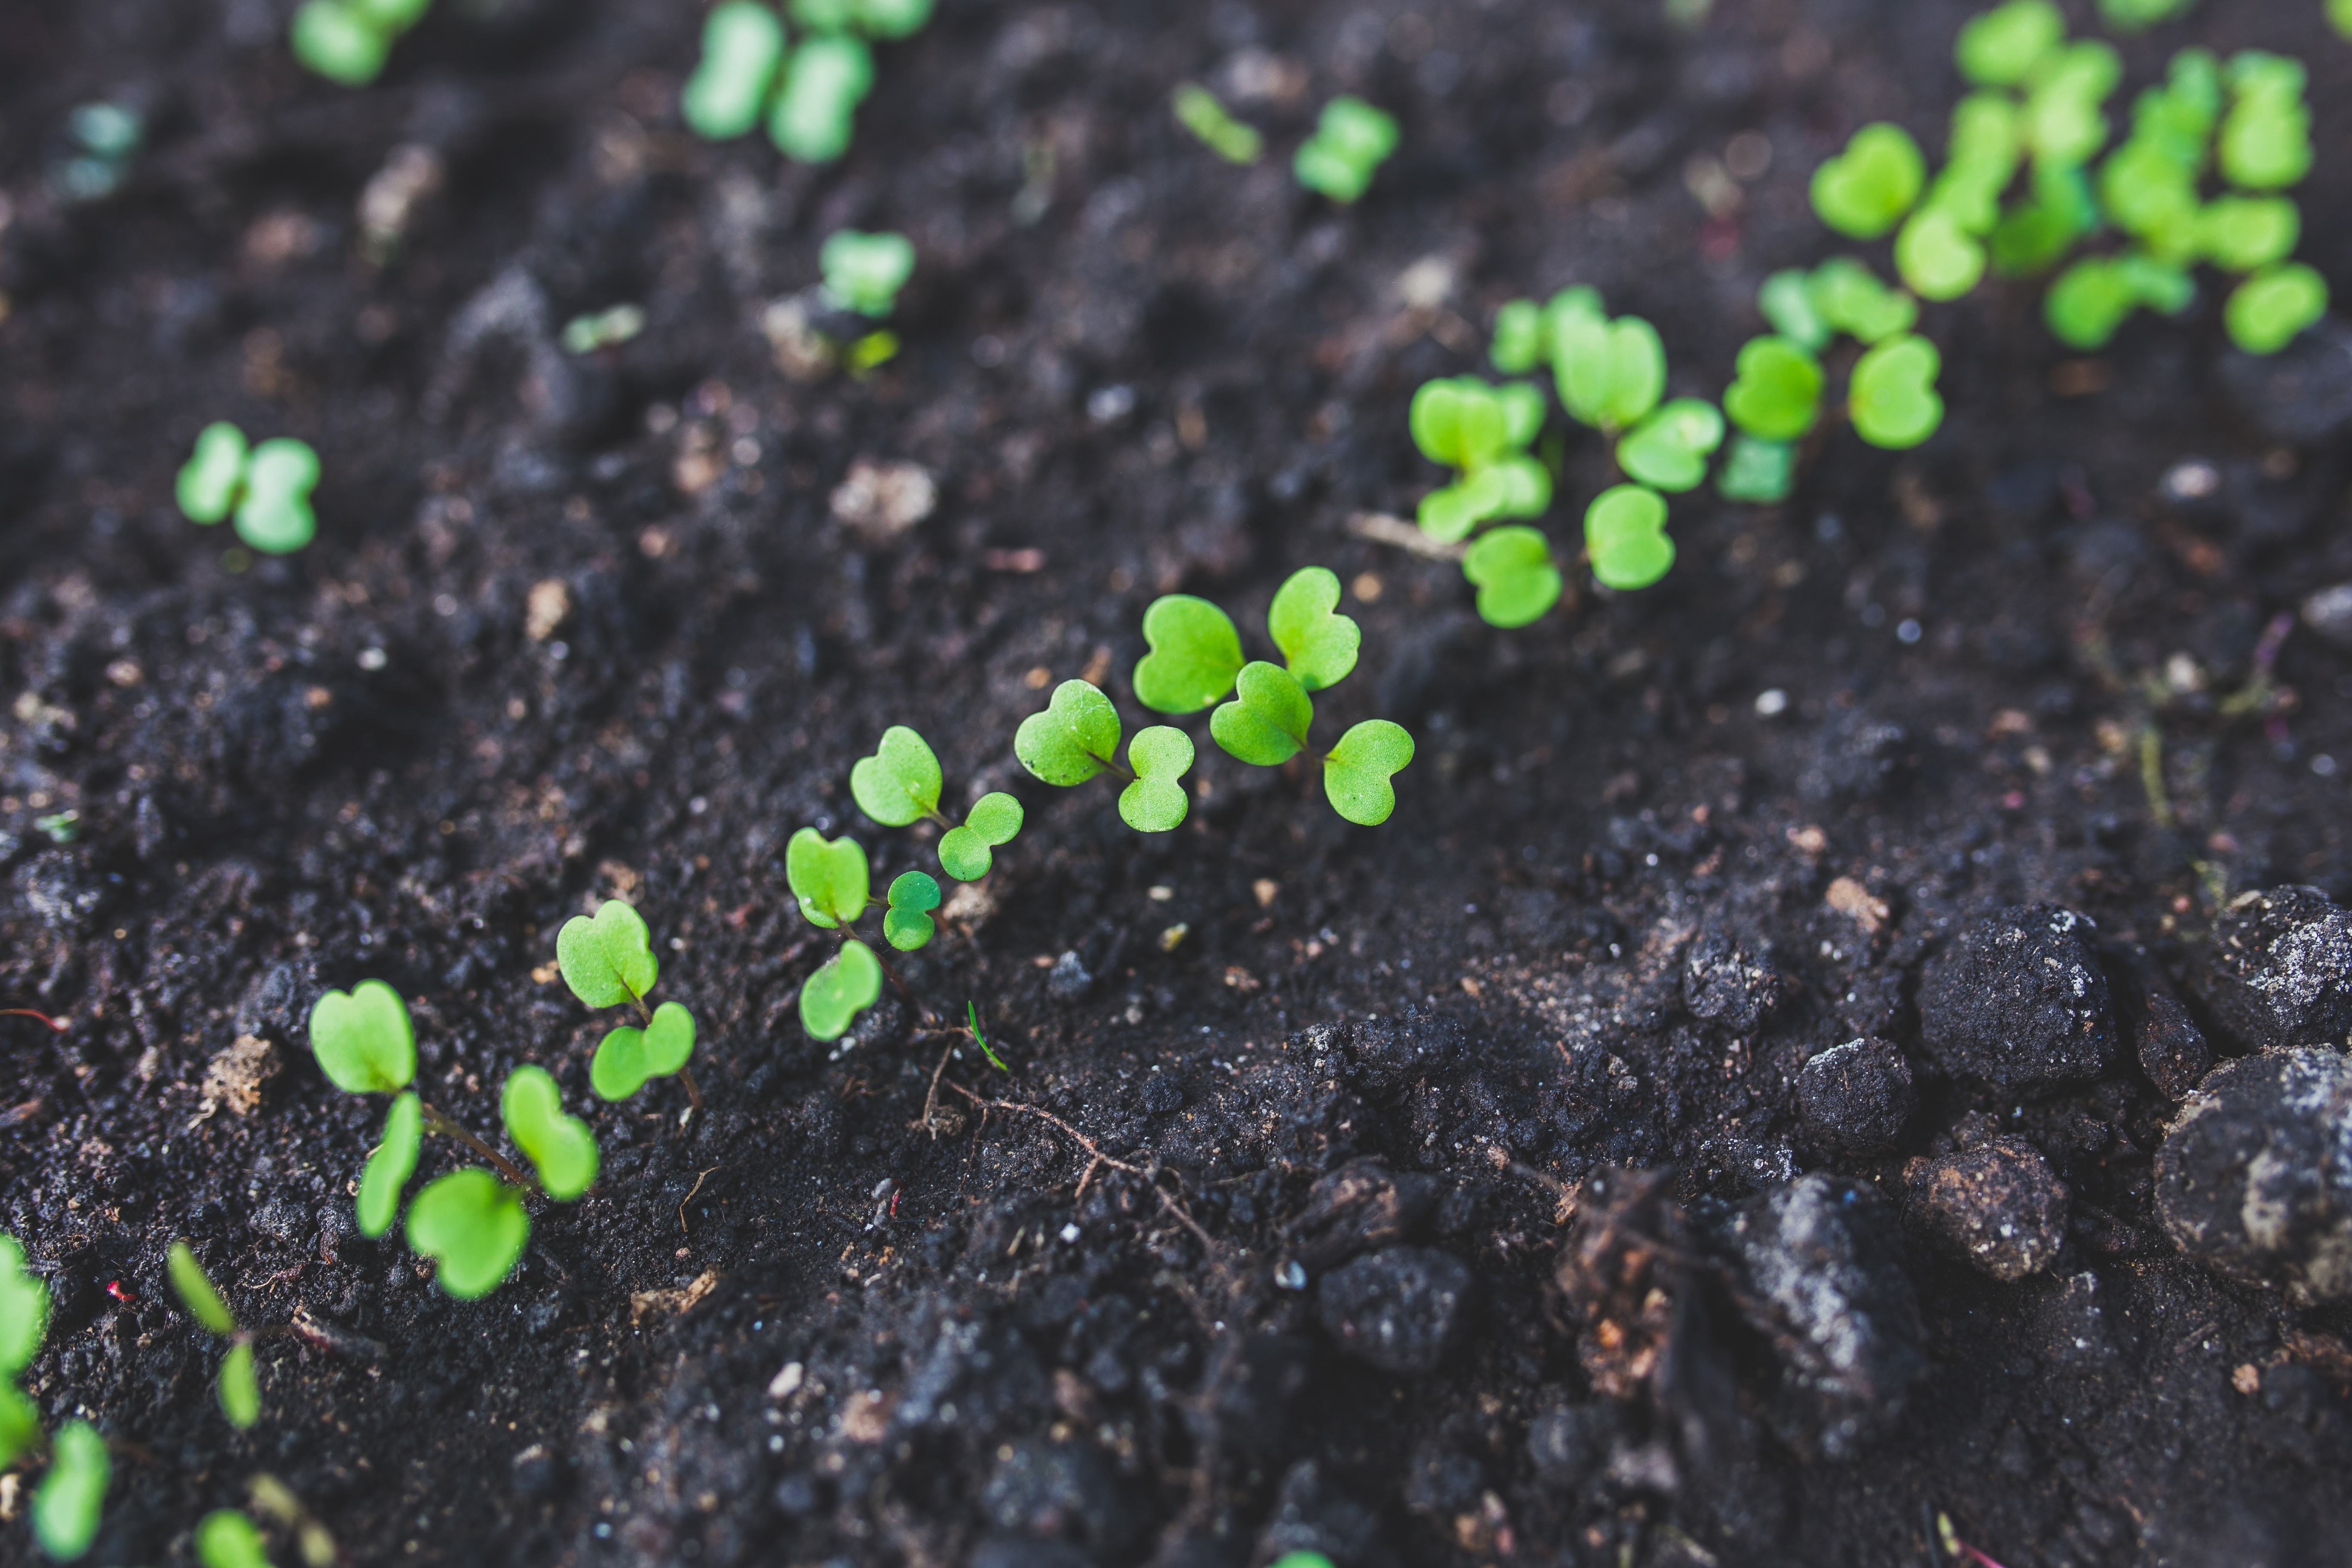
{"points": [[57, 1024], [435, 1120]]}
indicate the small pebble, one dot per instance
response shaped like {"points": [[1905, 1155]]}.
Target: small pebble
{"points": [[1857, 1095], [2279, 971], [2001, 1206], [2020, 1002]]}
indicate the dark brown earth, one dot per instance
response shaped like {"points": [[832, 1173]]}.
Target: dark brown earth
{"points": [[1617, 911]]}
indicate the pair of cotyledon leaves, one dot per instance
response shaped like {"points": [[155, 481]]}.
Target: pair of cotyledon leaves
{"points": [[899, 784], [833, 883], [66, 1504], [1482, 432], [607, 959], [239, 1387], [265, 489], [808, 98], [469, 1221]]}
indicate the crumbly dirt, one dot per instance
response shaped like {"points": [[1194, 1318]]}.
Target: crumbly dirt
{"points": [[582, 627]]}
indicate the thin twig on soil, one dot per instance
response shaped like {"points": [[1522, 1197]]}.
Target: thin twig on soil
{"points": [[1097, 1158]]}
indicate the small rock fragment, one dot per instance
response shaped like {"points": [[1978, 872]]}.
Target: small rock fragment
{"points": [[2255, 1177], [1069, 979], [2280, 970], [1357, 1207], [1726, 985], [2020, 1002], [2173, 1051], [233, 1078], [2329, 613], [547, 608], [1998, 1205], [1398, 1309], [880, 500], [1857, 1095]]}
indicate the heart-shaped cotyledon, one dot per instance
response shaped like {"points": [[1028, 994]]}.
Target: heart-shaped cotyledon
{"points": [[908, 924], [474, 1226], [275, 517], [1074, 739], [364, 1040], [1865, 190], [1625, 535], [828, 877], [844, 985], [1317, 642], [967, 851], [1356, 774], [1893, 399], [1195, 655], [1156, 801], [629, 1056]]}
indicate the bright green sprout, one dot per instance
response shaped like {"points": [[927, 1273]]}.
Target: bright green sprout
{"points": [[2245, 234], [829, 879], [2271, 310], [1199, 111], [1265, 723], [1865, 190], [1625, 535], [1195, 652], [844, 986], [2134, 16], [2063, 124], [966, 852], [276, 1500], [266, 490], [239, 1389], [825, 81], [606, 329], [908, 925], [1850, 298], [900, 784], [1893, 399], [890, 19], [364, 1040], [742, 51], [868, 353], [347, 41], [226, 1538], [1669, 450], [1981, 158], [1074, 739], [1610, 373], [864, 272], [2005, 46], [629, 1057], [2339, 16], [1786, 301], [1778, 394], [66, 1505], [1938, 257], [2036, 234], [1160, 755], [2094, 298], [1763, 472], [1317, 642], [1513, 570], [391, 1164], [1357, 772], [1302, 1560], [971, 1024], [1483, 432], [24, 1311], [607, 959], [60, 826], [1521, 340], [2265, 142], [474, 1226], [561, 1148], [1351, 140]]}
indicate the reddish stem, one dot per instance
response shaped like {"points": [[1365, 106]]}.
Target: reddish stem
{"points": [[436, 1122], [57, 1024]]}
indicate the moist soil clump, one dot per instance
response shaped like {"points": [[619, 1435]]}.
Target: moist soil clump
{"points": [[1469, 1190]]}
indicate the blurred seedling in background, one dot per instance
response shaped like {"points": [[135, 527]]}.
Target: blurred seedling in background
{"points": [[238, 1386], [1351, 140], [60, 826], [68, 1503], [103, 139], [601, 330], [807, 94], [607, 959], [229, 1538], [2137, 15], [1200, 111], [863, 274], [265, 489], [347, 41], [471, 1222], [1483, 433], [1195, 660], [899, 785]]}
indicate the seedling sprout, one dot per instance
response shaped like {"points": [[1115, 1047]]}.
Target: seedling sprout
{"points": [[1610, 373], [227, 1538], [864, 272], [1351, 140], [1863, 192], [1200, 111], [1625, 535], [1894, 400], [607, 959], [899, 785], [605, 328], [1513, 570], [239, 1390], [742, 51], [266, 488], [347, 41], [68, 1503], [825, 81], [972, 1025]]}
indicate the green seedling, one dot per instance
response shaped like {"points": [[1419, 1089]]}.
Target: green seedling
{"points": [[1514, 572], [1155, 801], [742, 53], [278, 1500], [1351, 140], [607, 959], [2093, 298], [2339, 16], [24, 1324], [60, 826], [907, 924], [68, 1503], [1786, 301], [2265, 141], [815, 109], [239, 1389], [347, 41], [106, 137], [606, 329], [1521, 340], [2036, 234], [874, 18], [864, 272], [2064, 123], [1669, 450], [1893, 398], [267, 489], [1625, 536], [1777, 395], [1265, 722], [1763, 472], [472, 1221], [1200, 111], [1357, 772], [844, 986], [2272, 308], [1985, 146], [1863, 192], [899, 785], [2245, 234], [971, 1027], [1937, 257], [1610, 373], [2137, 15], [227, 1538], [1076, 738], [1482, 432], [2005, 46], [833, 884], [1849, 297], [1196, 653]]}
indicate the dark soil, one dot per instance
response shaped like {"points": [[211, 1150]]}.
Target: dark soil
{"points": [[1283, 1266]]}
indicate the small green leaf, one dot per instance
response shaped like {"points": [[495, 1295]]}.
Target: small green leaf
{"points": [[2037, 234], [1265, 723], [828, 878], [1460, 421], [1199, 111], [225, 1538], [1156, 801], [561, 1147], [1850, 298], [474, 1225], [1787, 301], [1936, 257], [2271, 310], [1610, 374], [363, 1039], [1523, 486], [845, 986], [2090, 301], [1625, 535], [825, 81], [1865, 190], [1356, 773], [628, 1056], [239, 1388], [1319, 645], [1351, 140], [1778, 394], [1759, 471], [908, 923], [2245, 234], [899, 783], [331, 39], [1893, 399], [24, 1309], [742, 50], [1521, 342], [1074, 739], [1195, 654], [972, 1022], [394, 1161], [2002, 47], [2265, 141], [68, 1505], [993, 820], [1513, 570], [1669, 449], [1449, 515], [275, 517], [208, 482], [195, 1290], [864, 272], [20, 1423], [607, 959]]}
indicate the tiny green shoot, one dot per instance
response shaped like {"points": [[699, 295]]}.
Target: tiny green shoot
{"points": [[1351, 140], [2265, 141], [1863, 192], [842, 986], [607, 960], [24, 1324], [1482, 432], [1357, 772], [473, 1224], [971, 1024], [1669, 449], [347, 41], [1625, 536], [1264, 724], [1317, 642], [1893, 398], [908, 925], [267, 489], [899, 784], [2005, 46], [1610, 373], [1521, 340], [227, 1538], [2270, 309], [742, 52], [864, 272], [1195, 653], [605, 328], [1938, 257], [239, 1389], [1850, 298], [1757, 471], [2137, 15], [1777, 395], [825, 81], [1200, 111], [66, 1504], [1156, 801], [1514, 572], [561, 1148], [364, 1040]]}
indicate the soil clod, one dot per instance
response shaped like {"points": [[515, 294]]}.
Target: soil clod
{"points": [[1857, 1095], [2255, 1177], [2280, 973], [2019, 1003], [1998, 1205]]}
